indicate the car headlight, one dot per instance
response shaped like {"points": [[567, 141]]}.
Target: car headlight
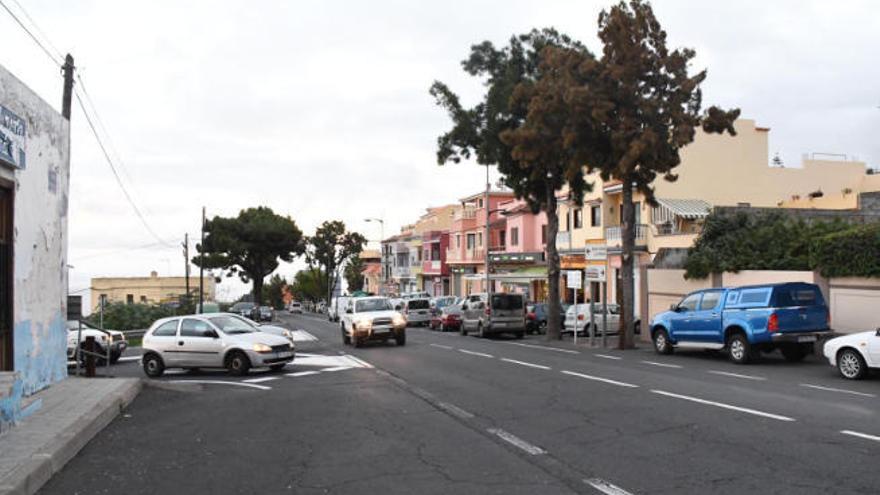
{"points": [[364, 323], [262, 348], [398, 320]]}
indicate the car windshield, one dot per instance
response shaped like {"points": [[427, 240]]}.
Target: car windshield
{"points": [[418, 304], [367, 305], [231, 325]]}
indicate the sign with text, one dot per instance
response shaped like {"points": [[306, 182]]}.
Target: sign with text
{"points": [[596, 252], [595, 273], [13, 135], [573, 279]]}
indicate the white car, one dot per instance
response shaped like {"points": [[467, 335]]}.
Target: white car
{"points": [[295, 307], [372, 318], [103, 338], [853, 355], [583, 318], [273, 329], [211, 341]]}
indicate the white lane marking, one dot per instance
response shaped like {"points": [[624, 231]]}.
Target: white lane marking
{"points": [[219, 382], [606, 487], [360, 362], [544, 347], [600, 379], [448, 348], [737, 375], [474, 353], [261, 380], [861, 435], [724, 406], [531, 365], [337, 368], [303, 373], [325, 361], [606, 356], [452, 408], [128, 358], [840, 390], [303, 336], [516, 441], [662, 365]]}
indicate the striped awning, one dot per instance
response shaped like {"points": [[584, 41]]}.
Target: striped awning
{"points": [[683, 208]]}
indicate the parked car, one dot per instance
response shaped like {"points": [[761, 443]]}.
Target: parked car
{"points": [[210, 307], [103, 338], [267, 313], [321, 308], [415, 295], [536, 317], [337, 308], [242, 308], [855, 354], [440, 302], [584, 326], [372, 319], [505, 313], [447, 319], [295, 307], [746, 320], [417, 311], [211, 341]]}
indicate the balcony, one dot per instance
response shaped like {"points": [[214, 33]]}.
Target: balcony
{"points": [[614, 235], [465, 214], [463, 255], [432, 267], [401, 272]]}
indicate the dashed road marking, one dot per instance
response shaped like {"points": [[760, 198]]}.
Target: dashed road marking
{"points": [[261, 380], [861, 435], [441, 346], [737, 375], [662, 365], [839, 390], [474, 353], [606, 487], [220, 382], [523, 363], [544, 347], [516, 441], [606, 356], [722, 405], [336, 368], [600, 379], [303, 373], [457, 411]]}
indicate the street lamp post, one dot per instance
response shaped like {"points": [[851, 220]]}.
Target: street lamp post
{"points": [[382, 280]]}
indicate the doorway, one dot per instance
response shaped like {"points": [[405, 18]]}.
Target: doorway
{"points": [[6, 266]]}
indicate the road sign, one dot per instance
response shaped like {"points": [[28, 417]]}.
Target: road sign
{"points": [[596, 252], [573, 279], [595, 273]]}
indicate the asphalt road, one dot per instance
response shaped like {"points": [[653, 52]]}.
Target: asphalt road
{"points": [[452, 414]]}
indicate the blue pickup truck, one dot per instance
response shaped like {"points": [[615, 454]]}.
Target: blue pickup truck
{"points": [[746, 321]]}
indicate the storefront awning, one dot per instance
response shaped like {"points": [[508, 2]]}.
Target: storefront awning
{"points": [[683, 208]]}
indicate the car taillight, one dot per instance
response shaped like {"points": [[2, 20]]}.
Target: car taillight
{"points": [[580, 317], [488, 311], [531, 316], [773, 323]]}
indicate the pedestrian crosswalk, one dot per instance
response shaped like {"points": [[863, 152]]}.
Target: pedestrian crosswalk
{"points": [[303, 336]]}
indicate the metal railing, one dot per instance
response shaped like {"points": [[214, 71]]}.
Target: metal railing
{"points": [[83, 353], [616, 233]]}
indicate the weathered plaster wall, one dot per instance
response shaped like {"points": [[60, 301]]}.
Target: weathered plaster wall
{"points": [[40, 239]]}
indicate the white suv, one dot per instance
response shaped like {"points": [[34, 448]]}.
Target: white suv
{"points": [[103, 338], [372, 318]]}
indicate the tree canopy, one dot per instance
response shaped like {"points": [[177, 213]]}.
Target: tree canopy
{"points": [[330, 248], [354, 275], [250, 245]]}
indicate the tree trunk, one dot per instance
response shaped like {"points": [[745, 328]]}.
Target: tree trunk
{"points": [[553, 304], [258, 289], [628, 234]]}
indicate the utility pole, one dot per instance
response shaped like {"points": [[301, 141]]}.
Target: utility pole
{"points": [[186, 263], [202, 267], [486, 241], [66, 100]]}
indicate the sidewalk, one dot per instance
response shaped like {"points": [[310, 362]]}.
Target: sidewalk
{"points": [[73, 411]]}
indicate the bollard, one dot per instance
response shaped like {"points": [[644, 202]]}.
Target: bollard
{"points": [[90, 357]]}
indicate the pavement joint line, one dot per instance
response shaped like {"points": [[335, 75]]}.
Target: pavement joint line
{"points": [[860, 435], [452, 408], [606, 487], [221, 382], [600, 379], [839, 390], [261, 380], [441, 346], [303, 373], [722, 405], [516, 441], [475, 353], [546, 348], [738, 375], [606, 356], [524, 363], [663, 365]]}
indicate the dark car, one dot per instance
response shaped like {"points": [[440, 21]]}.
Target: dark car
{"points": [[266, 313], [448, 318], [536, 317], [242, 308]]}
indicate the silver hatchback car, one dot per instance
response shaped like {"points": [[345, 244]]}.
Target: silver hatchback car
{"points": [[211, 341]]}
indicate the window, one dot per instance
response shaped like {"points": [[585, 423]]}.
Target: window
{"points": [[568, 221], [191, 327], [514, 236], [502, 238], [797, 295], [143, 299], [129, 299], [458, 240], [544, 234], [755, 296], [710, 300], [595, 216], [479, 203], [471, 241], [690, 302], [579, 218], [507, 302], [480, 239], [167, 329]]}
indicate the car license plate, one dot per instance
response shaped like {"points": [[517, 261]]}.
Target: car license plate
{"points": [[501, 324], [809, 338], [284, 354], [381, 330]]}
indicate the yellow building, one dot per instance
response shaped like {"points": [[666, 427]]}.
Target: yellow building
{"points": [[147, 290]]}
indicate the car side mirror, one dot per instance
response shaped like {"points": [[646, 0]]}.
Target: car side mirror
{"points": [[673, 307], [349, 311], [398, 307]]}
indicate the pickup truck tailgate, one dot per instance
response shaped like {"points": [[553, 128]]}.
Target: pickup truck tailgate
{"points": [[802, 318]]}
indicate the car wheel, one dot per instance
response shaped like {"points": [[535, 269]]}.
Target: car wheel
{"points": [[739, 349], [346, 340], [400, 338], [542, 328], [661, 342], [277, 367], [793, 353], [480, 333], [153, 365], [520, 335], [462, 330], [114, 358], [851, 365], [356, 342], [237, 363]]}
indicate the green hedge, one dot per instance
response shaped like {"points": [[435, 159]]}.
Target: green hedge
{"points": [[854, 252], [122, 316]]}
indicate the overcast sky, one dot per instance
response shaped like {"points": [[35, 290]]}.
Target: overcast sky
{"points": [[320, 109]]}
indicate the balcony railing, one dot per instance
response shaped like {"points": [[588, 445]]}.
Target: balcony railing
{"points": [[402, 272], [465, 214], [672, 229], [431, 267], [614, 235], [460, 255]]}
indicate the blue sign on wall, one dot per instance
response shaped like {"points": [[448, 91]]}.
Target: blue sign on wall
{"points": [[13, 135]]}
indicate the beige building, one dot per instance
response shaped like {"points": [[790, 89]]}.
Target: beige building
{"points": [[147, 290]]}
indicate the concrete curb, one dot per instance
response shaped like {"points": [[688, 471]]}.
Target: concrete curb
{"points": [[29, 477]]}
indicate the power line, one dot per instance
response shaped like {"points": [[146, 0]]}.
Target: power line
{"points": [[116, 173], [28, 31], [39, 31]]}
